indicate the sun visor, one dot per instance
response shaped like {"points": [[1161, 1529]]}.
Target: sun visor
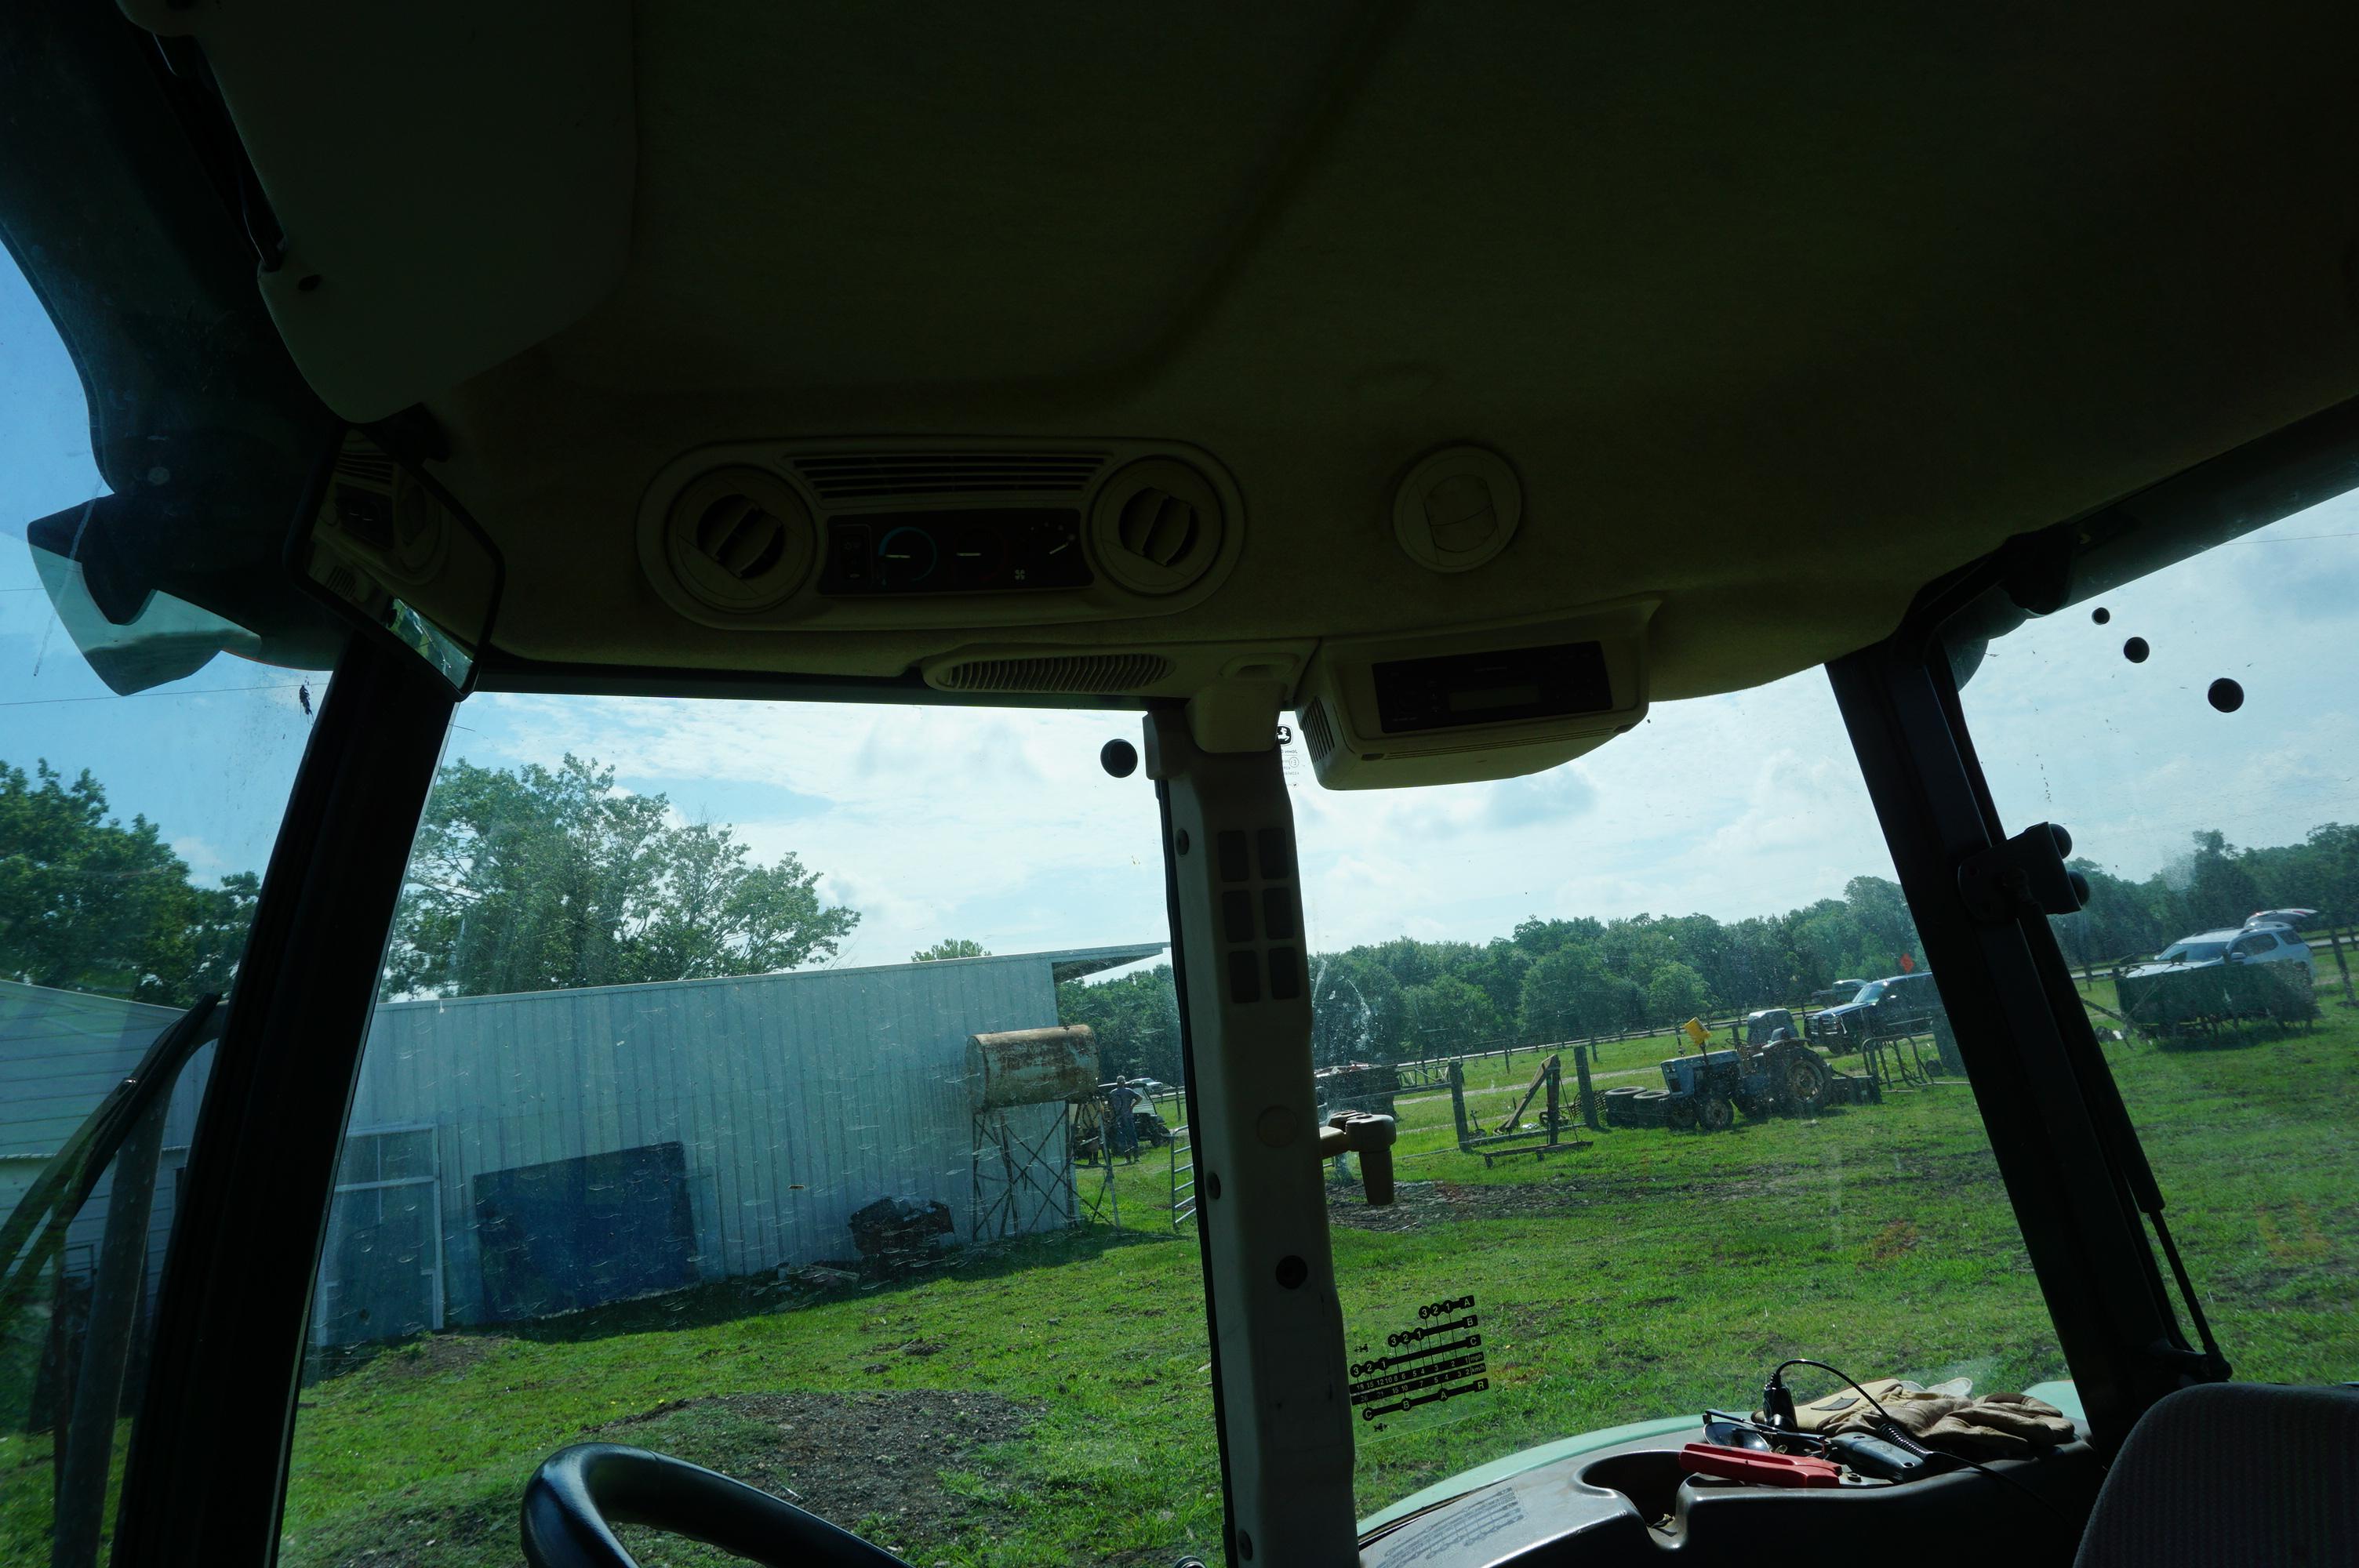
{"points": [[454, 180], [166, 639], [135, 584]]}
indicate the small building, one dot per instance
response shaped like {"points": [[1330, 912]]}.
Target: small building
{"points": [[514, 1156], [61, 1053]]}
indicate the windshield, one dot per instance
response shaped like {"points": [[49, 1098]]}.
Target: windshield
{"points": [[2195, 731], [143, 774], [1870, 994], [788, 1088], [1602, 1220]]}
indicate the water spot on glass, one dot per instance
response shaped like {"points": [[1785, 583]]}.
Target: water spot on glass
{"points": [[2226, 694], [2135, 650], [2101, 615]]}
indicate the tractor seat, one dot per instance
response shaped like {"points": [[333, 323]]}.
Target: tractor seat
{"points": [[2233, 1473]]}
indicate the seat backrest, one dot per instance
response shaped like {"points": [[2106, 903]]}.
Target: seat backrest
{"points": [[2233, 1473]]}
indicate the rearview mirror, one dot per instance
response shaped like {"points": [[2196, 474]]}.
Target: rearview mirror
{"points": [[386, 546]]}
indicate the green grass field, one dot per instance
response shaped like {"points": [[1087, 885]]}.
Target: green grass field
{"points": [[1049, 1403]]}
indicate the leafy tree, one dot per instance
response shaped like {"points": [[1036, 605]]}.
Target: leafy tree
{"points": [[1880, 913], [88, 903], [1446, 1016], [1136, 1017], [1497, 969], [1675, 994], [1570, 994], [542, 879], [951, 947], [1355, 1010], [2221, 890]]}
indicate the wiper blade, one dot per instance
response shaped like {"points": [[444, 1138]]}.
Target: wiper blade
{"points": [[31, 1236]]}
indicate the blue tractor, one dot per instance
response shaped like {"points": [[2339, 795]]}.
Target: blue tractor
{"points": [[1777, 1075]]}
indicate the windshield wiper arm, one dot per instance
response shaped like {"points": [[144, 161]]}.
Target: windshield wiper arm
{"points": [[66, 1182]]}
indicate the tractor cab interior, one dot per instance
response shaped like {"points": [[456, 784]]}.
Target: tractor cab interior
{"points": [[1362, 783]]}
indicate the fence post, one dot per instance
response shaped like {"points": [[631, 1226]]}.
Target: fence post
{"points": [[1458, 1101], [2334, 940], [1588, 1095]]}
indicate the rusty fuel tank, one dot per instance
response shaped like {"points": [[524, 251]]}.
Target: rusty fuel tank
{"points": [[1032, 1066]]}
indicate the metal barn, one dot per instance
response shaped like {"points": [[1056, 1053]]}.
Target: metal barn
{"points": [[513, 1156], [60, 1054]]}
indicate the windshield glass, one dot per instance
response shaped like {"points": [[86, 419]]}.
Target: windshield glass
{"points": [[143, 774], [1869, 994], [790, 1089], [1602, 1218], [2195, 732]]}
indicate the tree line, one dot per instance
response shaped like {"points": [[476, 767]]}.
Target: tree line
{"points": [[1574, 979], [536, 879]]}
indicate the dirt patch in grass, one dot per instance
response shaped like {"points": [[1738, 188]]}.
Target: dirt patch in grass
{"points": [[872, 1463], [849, 1459], [432, 1537], [438, 1354], [1418, 1205], [431, 1355], [1896, 1239]]}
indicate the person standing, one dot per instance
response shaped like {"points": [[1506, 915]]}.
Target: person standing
{"points": [[1123, 1100]]}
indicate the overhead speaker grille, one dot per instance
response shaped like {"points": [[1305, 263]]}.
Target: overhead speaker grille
{"points": [[740, 540], [1156, 526], [1080, 672], [854, 476], [1316, 732]]}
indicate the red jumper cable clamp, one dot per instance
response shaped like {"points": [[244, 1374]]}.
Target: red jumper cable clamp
{"points": [[1759, 1468]]}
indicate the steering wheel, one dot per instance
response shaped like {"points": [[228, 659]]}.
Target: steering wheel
{"points": [[579, 1494]]}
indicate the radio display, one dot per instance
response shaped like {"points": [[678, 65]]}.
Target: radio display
{"points": [[1496, 687]]}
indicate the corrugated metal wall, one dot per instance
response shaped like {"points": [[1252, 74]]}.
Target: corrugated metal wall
{"points": [[797, 1098], [61, 1053]]}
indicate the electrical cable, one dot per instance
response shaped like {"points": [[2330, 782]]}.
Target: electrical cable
{"points": [[1894, 1431]]}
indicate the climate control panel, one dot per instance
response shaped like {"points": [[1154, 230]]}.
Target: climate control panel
{"points": [[994, 550]]}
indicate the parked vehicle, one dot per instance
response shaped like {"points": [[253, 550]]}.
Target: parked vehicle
{"points": [[2214, 977], [1896, 1005], [1837, 994], [1765, 1025], [1707, 1088]]}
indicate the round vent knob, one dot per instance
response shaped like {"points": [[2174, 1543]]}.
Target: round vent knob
{"points": [[422, 538], [1156, 526], [740, 538], [1457, 509]]}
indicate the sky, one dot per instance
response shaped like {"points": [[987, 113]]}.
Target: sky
{"points": [[999, 824]]}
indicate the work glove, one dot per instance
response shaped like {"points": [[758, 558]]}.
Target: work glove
{"points": [[1946, 1417], [1999, 1426]]}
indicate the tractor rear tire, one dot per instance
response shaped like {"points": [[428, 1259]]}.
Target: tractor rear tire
{"points": [[1801, 1080]]}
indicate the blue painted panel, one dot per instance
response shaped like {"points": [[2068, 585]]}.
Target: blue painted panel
{"points": [[568, 1234]]}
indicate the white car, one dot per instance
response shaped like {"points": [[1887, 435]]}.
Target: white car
{"points": [[2250, 943]]}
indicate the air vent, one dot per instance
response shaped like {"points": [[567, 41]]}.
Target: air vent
{"points": [[1317, 733], [857, 476], [367, 464], [739, 539], [1156, 526], [1086, 672]]}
